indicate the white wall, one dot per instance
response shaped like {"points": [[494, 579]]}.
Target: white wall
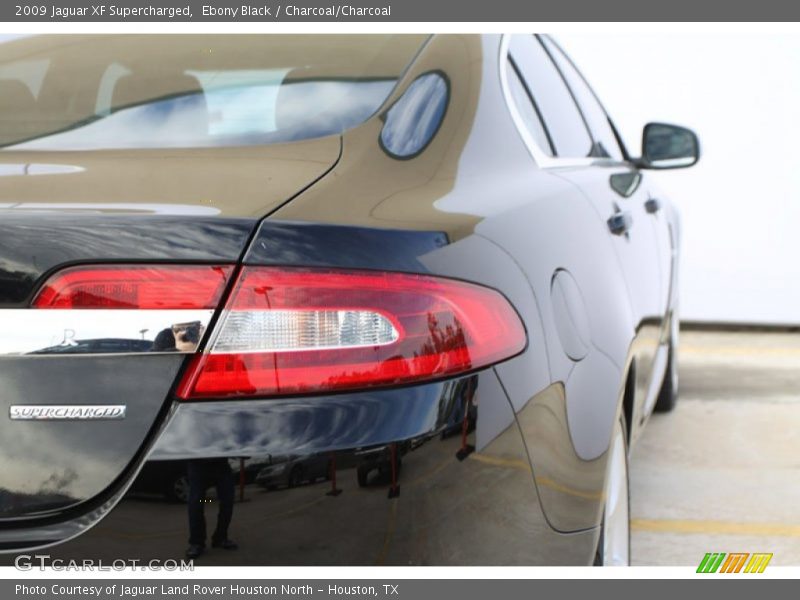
{"points": [[741, 203]]}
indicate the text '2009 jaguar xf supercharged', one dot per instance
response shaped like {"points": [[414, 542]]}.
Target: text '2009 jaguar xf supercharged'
{"points": [[350, 299]]}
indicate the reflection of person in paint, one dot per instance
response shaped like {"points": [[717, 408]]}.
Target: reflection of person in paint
{"points": [[203, 474], [181, 337], [165, 341], [187, 335]]}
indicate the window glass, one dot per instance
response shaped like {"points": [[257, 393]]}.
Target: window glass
{"points": [[556, 105], [527, 109], [605, 141]]}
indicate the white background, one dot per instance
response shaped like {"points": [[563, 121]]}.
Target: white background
{"points": [[741, 204]]}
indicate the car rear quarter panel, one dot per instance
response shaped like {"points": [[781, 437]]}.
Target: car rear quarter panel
{"points": [[510, 225]]}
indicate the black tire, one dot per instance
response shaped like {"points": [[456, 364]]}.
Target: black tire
{"points": [[668, 395]]}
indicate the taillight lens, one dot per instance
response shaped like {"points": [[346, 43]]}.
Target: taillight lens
{"points": [[156, 287], [298, 331]]}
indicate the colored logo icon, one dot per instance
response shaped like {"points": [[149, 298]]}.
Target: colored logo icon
{"points": [[734, 562]]}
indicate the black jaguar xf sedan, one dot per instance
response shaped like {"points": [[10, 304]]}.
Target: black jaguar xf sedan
{"points": [[428, 263]]}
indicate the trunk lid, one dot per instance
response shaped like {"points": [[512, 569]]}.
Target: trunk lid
{"points": [[143, 206]]}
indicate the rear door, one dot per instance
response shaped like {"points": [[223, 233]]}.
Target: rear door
{"points": [[630, 190], [585, 151]]}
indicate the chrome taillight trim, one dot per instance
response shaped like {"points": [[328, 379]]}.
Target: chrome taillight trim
{"points": [[65, 332]]}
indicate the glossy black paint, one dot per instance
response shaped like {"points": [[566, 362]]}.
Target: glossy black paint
{"points": [[315, 245], [503, 466], [454, 502], [434, 428], [54, 466], [58, 472], [306, 425], [353, 426], [33, 244]]}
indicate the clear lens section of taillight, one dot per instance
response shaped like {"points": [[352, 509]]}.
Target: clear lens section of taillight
{"points": [[299, 331], [143, 287], [286, 330]]}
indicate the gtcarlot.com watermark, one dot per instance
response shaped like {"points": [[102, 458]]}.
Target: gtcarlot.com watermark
{"points": [[30, 562]]}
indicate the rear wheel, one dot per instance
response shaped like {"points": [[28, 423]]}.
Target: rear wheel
{"points": [[614, 546]]}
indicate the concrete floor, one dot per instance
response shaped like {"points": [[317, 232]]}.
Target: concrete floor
{"points": [[721, 473]]}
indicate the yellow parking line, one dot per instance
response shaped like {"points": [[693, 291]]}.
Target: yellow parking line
{"points": [[514, 463], [430, 474], [715, 527], [499, 461], [554, 485], [391, 526]]}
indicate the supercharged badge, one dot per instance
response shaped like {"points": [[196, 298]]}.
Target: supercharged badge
{"points": [[69, 412]]}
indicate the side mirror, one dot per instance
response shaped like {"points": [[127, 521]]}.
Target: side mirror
{"points": [[668, 147]]}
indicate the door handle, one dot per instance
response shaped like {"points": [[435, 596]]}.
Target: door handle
{"points": [[619, 223], [652, 205]]}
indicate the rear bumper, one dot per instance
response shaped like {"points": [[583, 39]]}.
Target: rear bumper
{"points": [[462, 490]]}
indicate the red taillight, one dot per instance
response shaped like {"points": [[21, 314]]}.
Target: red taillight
{"points": [[135, 287], [295, 331]]}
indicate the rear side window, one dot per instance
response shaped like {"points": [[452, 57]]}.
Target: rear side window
{"points": [[137, 91], [605, 141], [527, 109], [561, 116], [412, 121]]}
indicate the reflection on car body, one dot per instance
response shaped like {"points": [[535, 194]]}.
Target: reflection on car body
{"points": [[414, 286], [291, 471]]}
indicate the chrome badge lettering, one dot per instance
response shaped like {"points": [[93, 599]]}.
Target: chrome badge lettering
{"points": [[70, 412]]}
